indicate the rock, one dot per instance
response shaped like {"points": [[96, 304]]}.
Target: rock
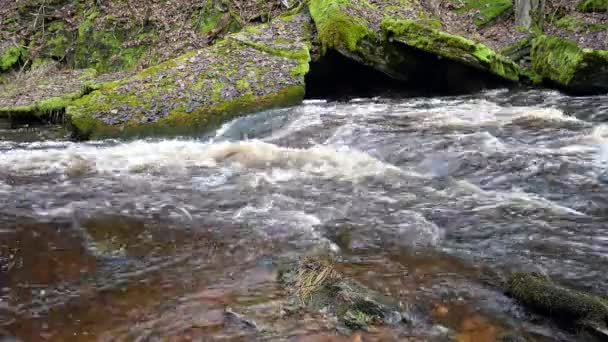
{"points": [[259, 69], [563, 63], [574, 307], [452, 47], [314, 284], [372, 34]]}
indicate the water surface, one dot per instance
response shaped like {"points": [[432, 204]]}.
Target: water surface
{"points": [[430, 200]]}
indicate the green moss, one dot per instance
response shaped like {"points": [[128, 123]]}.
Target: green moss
{"points": [[179, 121], [592, 5], [208, 18], [453, 47], [49, 109], [563, 62], [242, 84], [56, 42], [487, 10], [574, 24], [569, 23], [556, 58], [10, 57], [337, 29], [103, 48]]}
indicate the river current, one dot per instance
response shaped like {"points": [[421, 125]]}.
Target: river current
{"points": [[429, 200]]}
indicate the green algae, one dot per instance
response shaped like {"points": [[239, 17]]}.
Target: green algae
{"points": [[450, 46], [592, 6], [336, 29], [488, 10]]}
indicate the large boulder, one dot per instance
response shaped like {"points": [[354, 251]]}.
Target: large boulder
{"points": [[565, 64], [260, 68], [375, 34]]}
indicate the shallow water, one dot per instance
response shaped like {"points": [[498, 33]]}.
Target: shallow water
{"points": [[430, 200]]}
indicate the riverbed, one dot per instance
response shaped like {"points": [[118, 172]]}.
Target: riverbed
{"points": [[430, 200]]}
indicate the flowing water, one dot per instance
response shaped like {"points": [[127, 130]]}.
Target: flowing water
{"points": [[429, 200]]}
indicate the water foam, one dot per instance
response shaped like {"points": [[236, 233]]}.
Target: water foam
{"points": [[176, 156], [478, 112]]}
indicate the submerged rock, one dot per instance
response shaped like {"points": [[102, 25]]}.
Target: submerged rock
{"points": [[564, 63], [315, 285], [575, 307], [259, 69]]}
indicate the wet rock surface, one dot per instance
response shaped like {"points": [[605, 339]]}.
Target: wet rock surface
{"points": [[315, 284]]}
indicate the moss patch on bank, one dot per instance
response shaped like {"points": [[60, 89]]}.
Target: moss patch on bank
{"points": [[10, 56], [450, 46], [564, 63]]}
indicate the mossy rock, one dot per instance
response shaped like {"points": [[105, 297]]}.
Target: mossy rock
{"points": [[559, 302], [592, 6], [203, 88], [366, 32], [487, 11], [314, 284], [564, 63], [450, 46]]}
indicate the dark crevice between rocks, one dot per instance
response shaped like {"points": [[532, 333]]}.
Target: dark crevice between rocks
{"points": [[33, 118], [336, 77]]}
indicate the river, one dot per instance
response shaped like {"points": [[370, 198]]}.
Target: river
{"points": [[429, 200]]}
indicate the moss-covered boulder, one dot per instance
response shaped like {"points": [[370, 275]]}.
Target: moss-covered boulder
{"points": [[592, 5], [255, 70], [565, 64], [574, 307], [373, 32]]}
